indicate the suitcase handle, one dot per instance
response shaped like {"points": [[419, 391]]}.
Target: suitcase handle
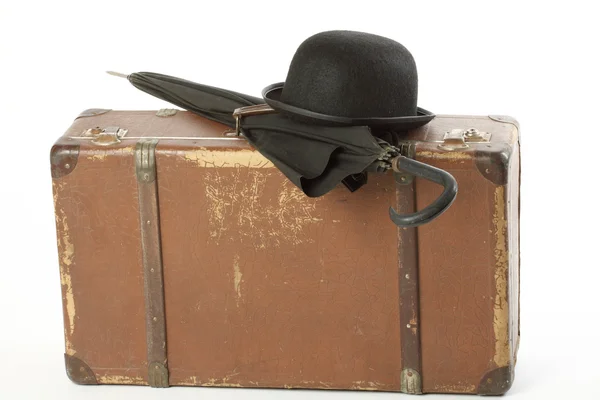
{"points": [[440, 204]]}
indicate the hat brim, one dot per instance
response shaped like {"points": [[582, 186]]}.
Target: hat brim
{"points": [[272, 96]]}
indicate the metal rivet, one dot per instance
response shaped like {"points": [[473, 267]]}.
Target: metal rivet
{"points": [[67, 166], [155, 319], [146, 177], [407, 277], [156, 367], [489, 380], [409, 373], [148, 222], [487, 170], [151, 269], [81, 369], [408, 325], [403, 178]]}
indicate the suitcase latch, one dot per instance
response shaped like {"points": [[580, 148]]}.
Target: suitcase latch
{"points": [[105, 136], [457, 139]]}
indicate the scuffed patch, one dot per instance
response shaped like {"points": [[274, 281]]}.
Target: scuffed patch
{"points": [[501, 306], [69, 349], [244, 203], [214, 382], [448, 155], [96, 157], [66, 253], [218, 382], [459, 387], [237, 278], [313, 385], [121, 380], [227, 159], [367, 385], [101, 153], [225, 382], [66, 246]]}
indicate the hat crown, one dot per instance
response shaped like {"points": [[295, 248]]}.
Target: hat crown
{"points": [[352, 74]]}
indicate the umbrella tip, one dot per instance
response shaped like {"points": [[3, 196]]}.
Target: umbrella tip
{"points": [[120, 75]]}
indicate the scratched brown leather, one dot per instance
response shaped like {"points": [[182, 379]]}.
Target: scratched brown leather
{"points": [[265, 287]]}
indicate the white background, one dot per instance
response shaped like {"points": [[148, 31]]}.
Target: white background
{"points": [[536, 61]]}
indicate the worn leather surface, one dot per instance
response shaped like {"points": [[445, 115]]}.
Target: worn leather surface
{"points": [[468, 264], [100, 264], [295, 291], [265, 287]]}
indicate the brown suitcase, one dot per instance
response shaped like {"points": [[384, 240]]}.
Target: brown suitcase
{"points": [[187, 258]]}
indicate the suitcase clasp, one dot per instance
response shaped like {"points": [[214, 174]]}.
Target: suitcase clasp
{"points": [[105, 136], [457, 139]]}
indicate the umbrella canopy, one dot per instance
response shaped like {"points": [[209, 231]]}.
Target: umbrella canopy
{"points": [[315, 158], [210, 102]]}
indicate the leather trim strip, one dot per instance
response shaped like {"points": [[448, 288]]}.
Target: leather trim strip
{"points": [[156, 337], [408, 275]]}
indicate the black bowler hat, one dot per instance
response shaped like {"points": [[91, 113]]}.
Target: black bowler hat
{"points": [[352, 79]]}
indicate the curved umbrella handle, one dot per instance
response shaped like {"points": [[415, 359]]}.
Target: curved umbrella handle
{"points": [[440, 204]]}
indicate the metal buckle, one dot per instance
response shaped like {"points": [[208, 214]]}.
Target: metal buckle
{"points": [[241, 112]]}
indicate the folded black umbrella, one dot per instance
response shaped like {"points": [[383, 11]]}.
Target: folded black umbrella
{"points": [[315, 158], [347, 99]]}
